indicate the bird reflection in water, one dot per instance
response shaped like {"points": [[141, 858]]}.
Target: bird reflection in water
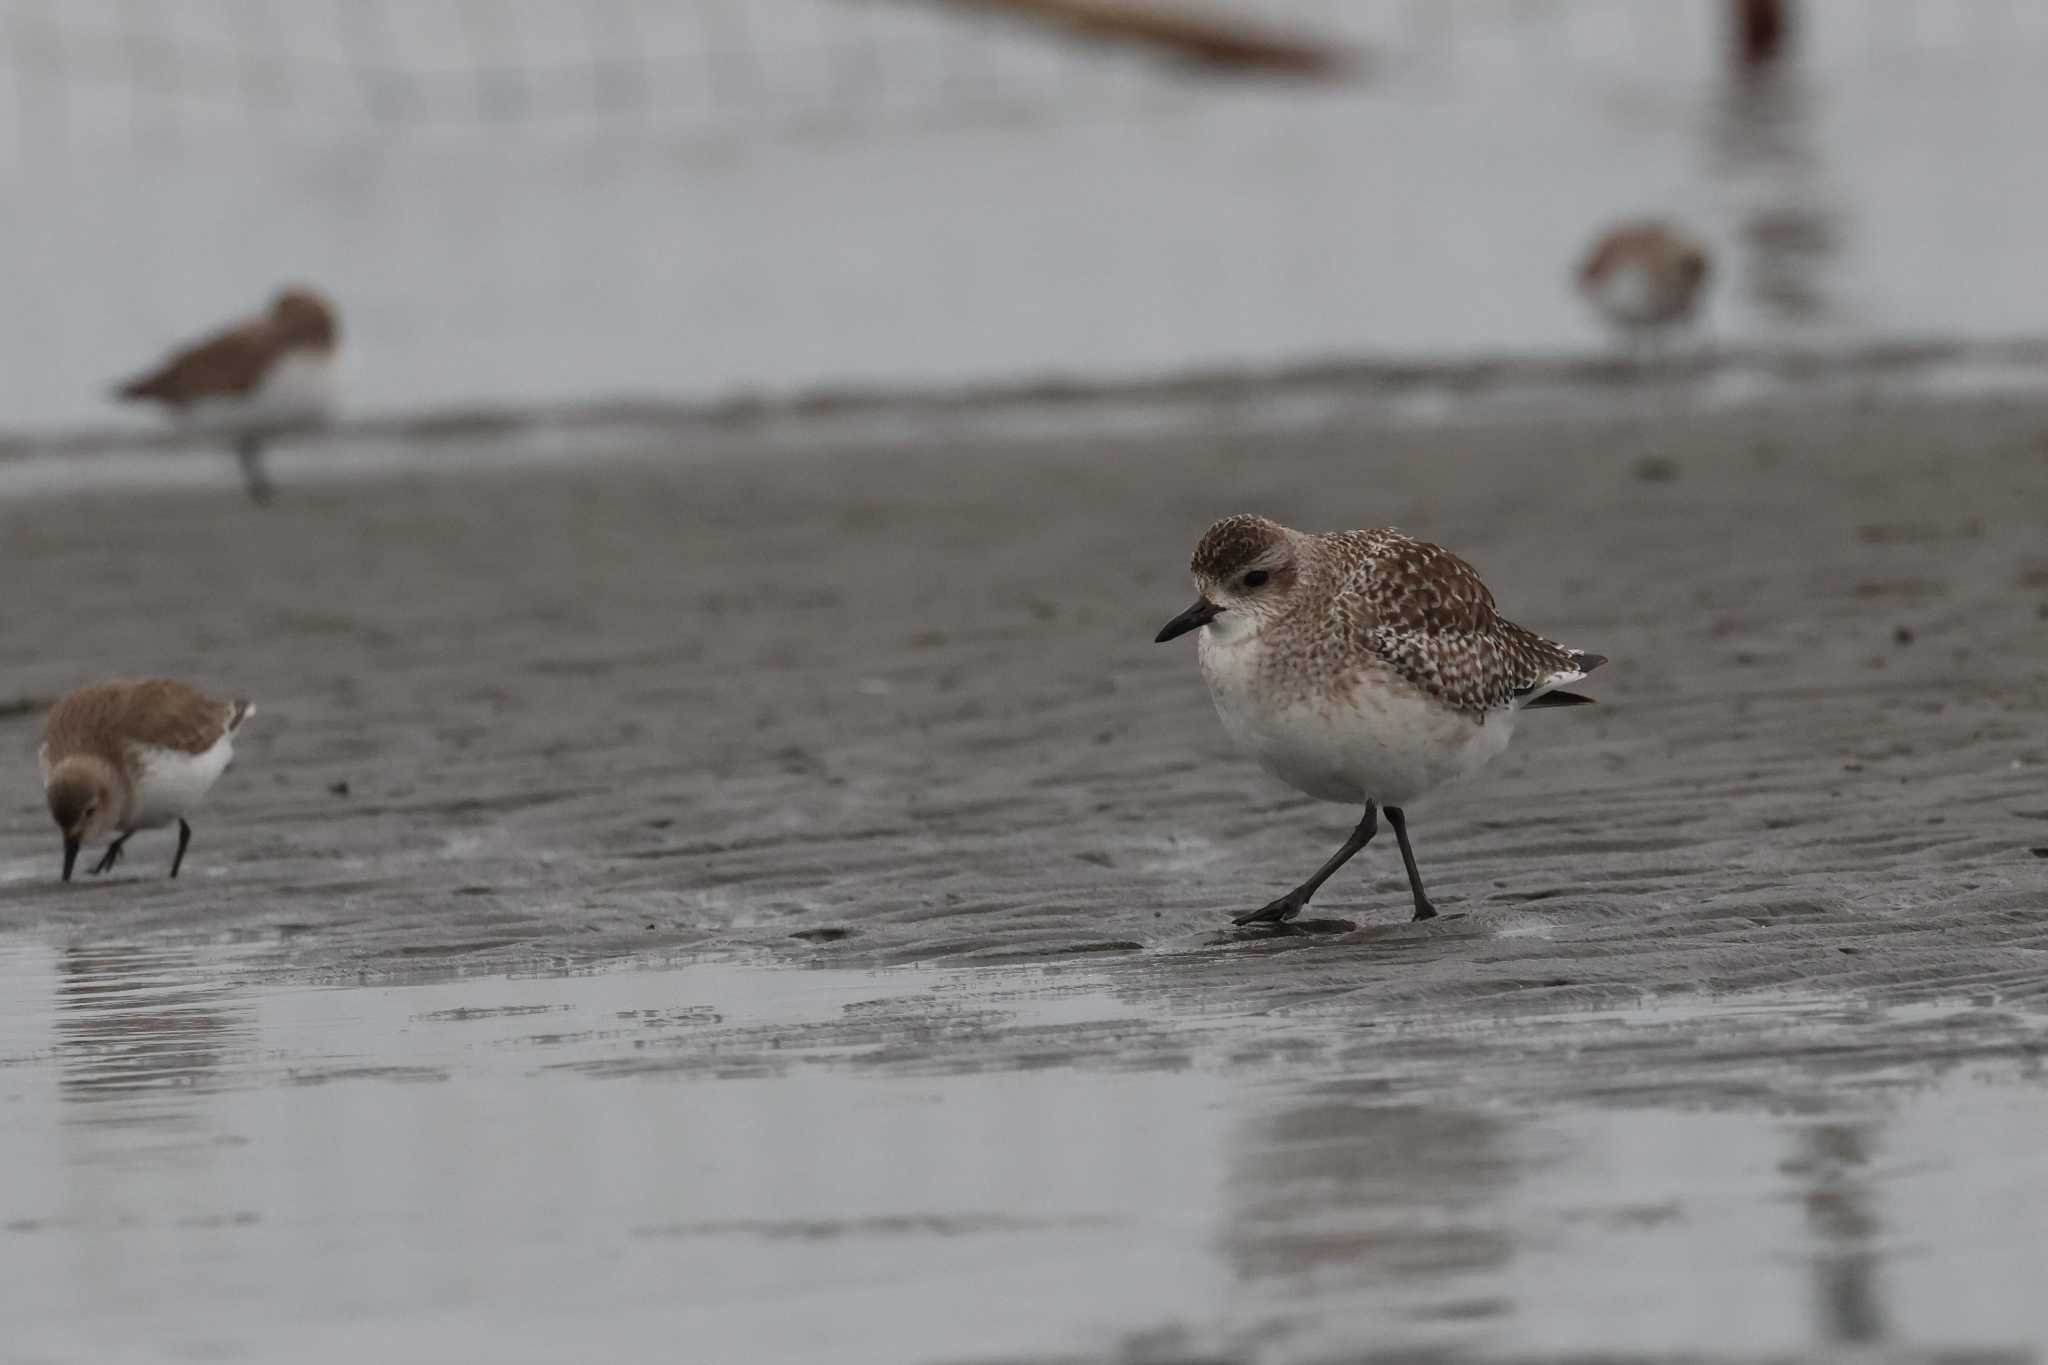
{"points": [[133, 1022], [1335, 1190], [1831, 1165], [1762, 142]]}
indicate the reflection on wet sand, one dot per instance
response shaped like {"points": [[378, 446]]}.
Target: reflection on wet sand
{"points": [[132, 1022], [1331, 1192], [1762, 143], [1831, 1166]]}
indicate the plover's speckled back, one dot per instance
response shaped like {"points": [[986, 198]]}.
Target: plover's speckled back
{"points": [[257, 379], [1645, 277], [1365, 667], [126, 756]]}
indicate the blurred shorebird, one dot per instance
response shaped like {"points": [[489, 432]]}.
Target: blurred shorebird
{"points": [[128, 756], [1645, 279], [1364, 667], [253, 381]]}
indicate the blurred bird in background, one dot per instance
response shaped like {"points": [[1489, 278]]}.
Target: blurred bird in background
{"points": [[1646, 279], [253, 381]]}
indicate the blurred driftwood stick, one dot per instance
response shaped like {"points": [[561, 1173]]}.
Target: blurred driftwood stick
{"points": [[1207, 36], [1761, 27]]}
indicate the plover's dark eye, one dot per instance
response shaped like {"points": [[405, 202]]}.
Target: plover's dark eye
{"points": [[1255, 579]]}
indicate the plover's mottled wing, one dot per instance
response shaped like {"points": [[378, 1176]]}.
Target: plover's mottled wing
{"points": [[226, 363], [160, 714], [1425, 614]]}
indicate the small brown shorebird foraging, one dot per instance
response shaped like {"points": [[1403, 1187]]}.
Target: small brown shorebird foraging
{"points": [[257, 380], [1364, 667], [1646, 279], [128, 756]]}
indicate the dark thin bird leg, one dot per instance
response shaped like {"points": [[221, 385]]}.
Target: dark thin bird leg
{"points": [[1423, 909], [249, 450], [184, 838], [1289, 905], [110, 857]]}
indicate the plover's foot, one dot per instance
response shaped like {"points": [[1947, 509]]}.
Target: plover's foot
{"points": [[108, 859], [1424, 910], [1286, 908]]}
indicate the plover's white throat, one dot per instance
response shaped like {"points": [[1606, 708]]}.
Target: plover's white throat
{"points": [[125, 756], [1645, 278], [1365, 667], [256, 380]]}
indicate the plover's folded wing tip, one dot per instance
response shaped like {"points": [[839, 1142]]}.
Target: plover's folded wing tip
{"points": [[1543, 691], [1557, 699]]}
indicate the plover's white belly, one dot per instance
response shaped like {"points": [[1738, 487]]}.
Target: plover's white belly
{"points": [[298, 391], [170, 784], [1382, 740], [1634, 294]]}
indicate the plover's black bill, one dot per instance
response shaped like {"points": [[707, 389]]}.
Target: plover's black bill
{"points": [[1194, 618]]}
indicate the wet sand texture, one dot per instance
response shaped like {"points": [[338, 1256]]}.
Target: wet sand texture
{"points": [[872, 704]]}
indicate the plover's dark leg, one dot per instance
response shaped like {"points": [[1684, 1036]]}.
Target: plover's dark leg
{"points": [[110, 857], [1289, 905], [184, 838], [1423, 909], [249, 450]]}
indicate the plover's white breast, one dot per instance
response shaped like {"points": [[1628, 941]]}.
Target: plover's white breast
{"points": [[1625, 293], [170, 784], [1375, 737], [298, 389]]}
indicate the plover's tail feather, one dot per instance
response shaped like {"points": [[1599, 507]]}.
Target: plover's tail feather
{"points": [[1558, 699], [1544, 691], [241, 709], [140, 387]]}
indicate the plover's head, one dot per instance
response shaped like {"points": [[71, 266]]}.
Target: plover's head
{"points": [[81, 796], [303, 316], [1245, 569]]}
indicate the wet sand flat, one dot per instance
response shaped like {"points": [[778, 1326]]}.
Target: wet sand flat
{"points": [[880, 704], [777, 887]]}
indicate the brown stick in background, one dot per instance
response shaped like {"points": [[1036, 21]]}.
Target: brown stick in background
{"points": [[1761, 27], [1209, 36]]}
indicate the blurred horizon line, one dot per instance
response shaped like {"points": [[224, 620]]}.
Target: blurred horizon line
{"points": [[1977, 361]]}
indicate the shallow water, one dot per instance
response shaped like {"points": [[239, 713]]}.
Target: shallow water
{"points": [[888, 196], [716, 1161]]}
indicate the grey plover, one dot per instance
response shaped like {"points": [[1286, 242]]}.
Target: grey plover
{"points": [[254, 381], [1645, 278], [1365, 667], [125, 756]]}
